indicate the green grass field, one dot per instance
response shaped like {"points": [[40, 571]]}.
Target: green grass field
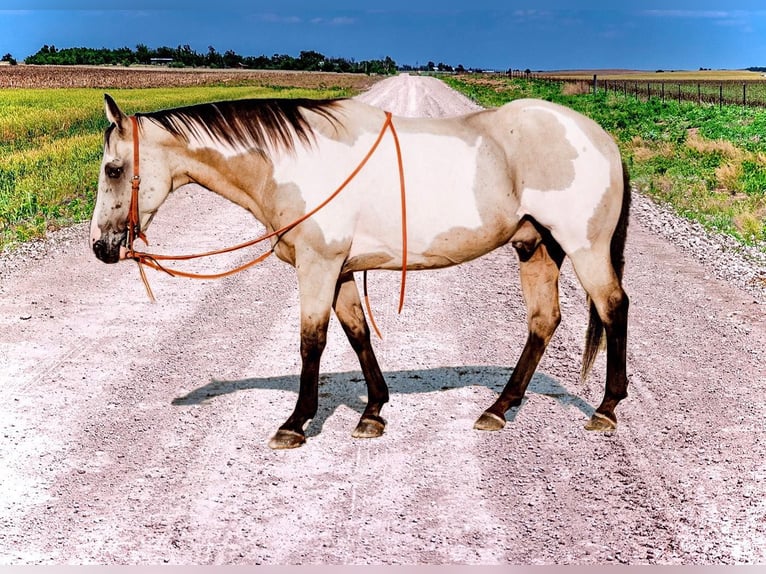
{"points": [[51, 147], [707, 162]]}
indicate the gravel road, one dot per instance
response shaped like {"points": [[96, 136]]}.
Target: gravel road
{"points": [[136, 433]]}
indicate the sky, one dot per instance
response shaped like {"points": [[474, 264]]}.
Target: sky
{"points": [[486, 34]]}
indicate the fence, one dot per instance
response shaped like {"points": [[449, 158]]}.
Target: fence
{"points": [[720, 92]]}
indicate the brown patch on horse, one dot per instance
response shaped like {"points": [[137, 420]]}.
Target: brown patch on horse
{"points": [[539, 141], [526, 239], [367, 261]]}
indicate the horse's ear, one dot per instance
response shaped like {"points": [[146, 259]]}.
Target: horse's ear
{"points": [[113, 113]]}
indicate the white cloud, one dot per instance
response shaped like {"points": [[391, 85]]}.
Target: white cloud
{"points": [[731, 19], [705, 14], [342, 21], [337, 21], [278, 19], [531, 14]]}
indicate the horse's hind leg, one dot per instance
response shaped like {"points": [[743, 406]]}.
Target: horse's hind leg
{"points": [[348, 308], [609, 311], [540, 259]]}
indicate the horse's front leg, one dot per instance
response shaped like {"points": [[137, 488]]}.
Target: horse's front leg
{"points": [[348, 309], [316, 285]]}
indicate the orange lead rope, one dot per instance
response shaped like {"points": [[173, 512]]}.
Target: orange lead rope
{"points": [[153, 260]]}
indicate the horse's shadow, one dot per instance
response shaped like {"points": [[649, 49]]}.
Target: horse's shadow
{"points": [[349, 389]]}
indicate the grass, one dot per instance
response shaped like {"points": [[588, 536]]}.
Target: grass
{"points": [[707, 162], [50, 147], [659, 76]]}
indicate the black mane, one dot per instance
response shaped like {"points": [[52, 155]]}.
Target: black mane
{"points": [[255, 122]]}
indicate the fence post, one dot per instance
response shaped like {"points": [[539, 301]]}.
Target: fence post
{"points": [[595, 84], [662, 87], [699, 93], [744, 94]]}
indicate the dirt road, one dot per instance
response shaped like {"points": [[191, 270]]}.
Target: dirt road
{"points": [[134, 433]]}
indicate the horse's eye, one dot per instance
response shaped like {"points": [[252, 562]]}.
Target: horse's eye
{"points": [[113, 172]]}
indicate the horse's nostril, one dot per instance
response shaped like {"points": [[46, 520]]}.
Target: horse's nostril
{"points": [[104, 253]]}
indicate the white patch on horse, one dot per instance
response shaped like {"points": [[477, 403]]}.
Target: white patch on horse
{"points": [[440, 173], [567, 212]]}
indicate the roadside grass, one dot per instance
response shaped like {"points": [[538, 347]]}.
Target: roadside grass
{"points": [[51, 146], [707, 162]]}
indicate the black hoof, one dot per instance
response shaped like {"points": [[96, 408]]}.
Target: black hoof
{"points": [[369, 427], [489, 422], [600, 423], [285, 439]]}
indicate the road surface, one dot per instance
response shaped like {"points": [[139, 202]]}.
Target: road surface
{"points": [[136, 433]]}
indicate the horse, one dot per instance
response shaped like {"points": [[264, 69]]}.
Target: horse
{"points": [[531, 173]]}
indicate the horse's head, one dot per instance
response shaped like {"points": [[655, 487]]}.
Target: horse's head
{"points": [[109, 224]]}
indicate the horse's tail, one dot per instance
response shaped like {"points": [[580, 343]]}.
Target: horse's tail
{"points": [[595, 332]]}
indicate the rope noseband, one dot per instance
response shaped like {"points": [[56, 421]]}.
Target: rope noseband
{"points": [[153, 260]]}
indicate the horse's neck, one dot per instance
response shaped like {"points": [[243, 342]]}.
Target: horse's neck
{"points": [[239, 178]]}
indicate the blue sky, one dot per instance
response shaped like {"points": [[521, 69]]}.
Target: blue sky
{"points": [[496, 34]]}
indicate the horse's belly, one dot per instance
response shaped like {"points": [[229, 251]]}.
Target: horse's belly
{"points": [[457, 209], [449, 247]]}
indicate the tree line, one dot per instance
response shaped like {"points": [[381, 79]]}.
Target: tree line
{"points": [[185, 56]]}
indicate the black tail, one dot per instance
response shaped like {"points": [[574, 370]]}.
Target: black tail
{"points": [[595, 332]]}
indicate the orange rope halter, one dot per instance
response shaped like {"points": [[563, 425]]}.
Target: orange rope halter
{"points": [[153, 260]]}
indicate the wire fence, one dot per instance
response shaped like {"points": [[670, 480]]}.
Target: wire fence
{"points": [[719, 92]]}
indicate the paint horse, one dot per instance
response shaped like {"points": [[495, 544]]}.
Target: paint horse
{"points": [[535, 174]]}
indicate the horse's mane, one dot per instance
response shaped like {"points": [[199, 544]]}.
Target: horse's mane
{"points": [[256, 123]]}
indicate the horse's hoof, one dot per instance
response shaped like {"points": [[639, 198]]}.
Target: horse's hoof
{"points": [[489, 422], [369, 427], [285, 439], [600, 423]]}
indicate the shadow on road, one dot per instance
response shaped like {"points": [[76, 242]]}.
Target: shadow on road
{"points": [[349, 389]]}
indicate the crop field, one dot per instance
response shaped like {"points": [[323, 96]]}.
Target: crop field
{"points": [[50, 139], [160, 77]]}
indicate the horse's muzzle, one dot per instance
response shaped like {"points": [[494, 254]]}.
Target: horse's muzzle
{"points": [[110, 249]]}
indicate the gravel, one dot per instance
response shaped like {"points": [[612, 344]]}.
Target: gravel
{"points": [[136, 433]]}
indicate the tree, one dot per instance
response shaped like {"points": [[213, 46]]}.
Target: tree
{"points": [[310, 60], [389, 66], [143, 55], [184, 56], [213, 58], [231, 59], [9, 58]]}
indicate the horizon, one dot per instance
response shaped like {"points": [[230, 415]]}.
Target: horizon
{"points": [[490, 34]]}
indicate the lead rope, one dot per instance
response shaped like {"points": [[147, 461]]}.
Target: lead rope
{"points": [[153, 260]]}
